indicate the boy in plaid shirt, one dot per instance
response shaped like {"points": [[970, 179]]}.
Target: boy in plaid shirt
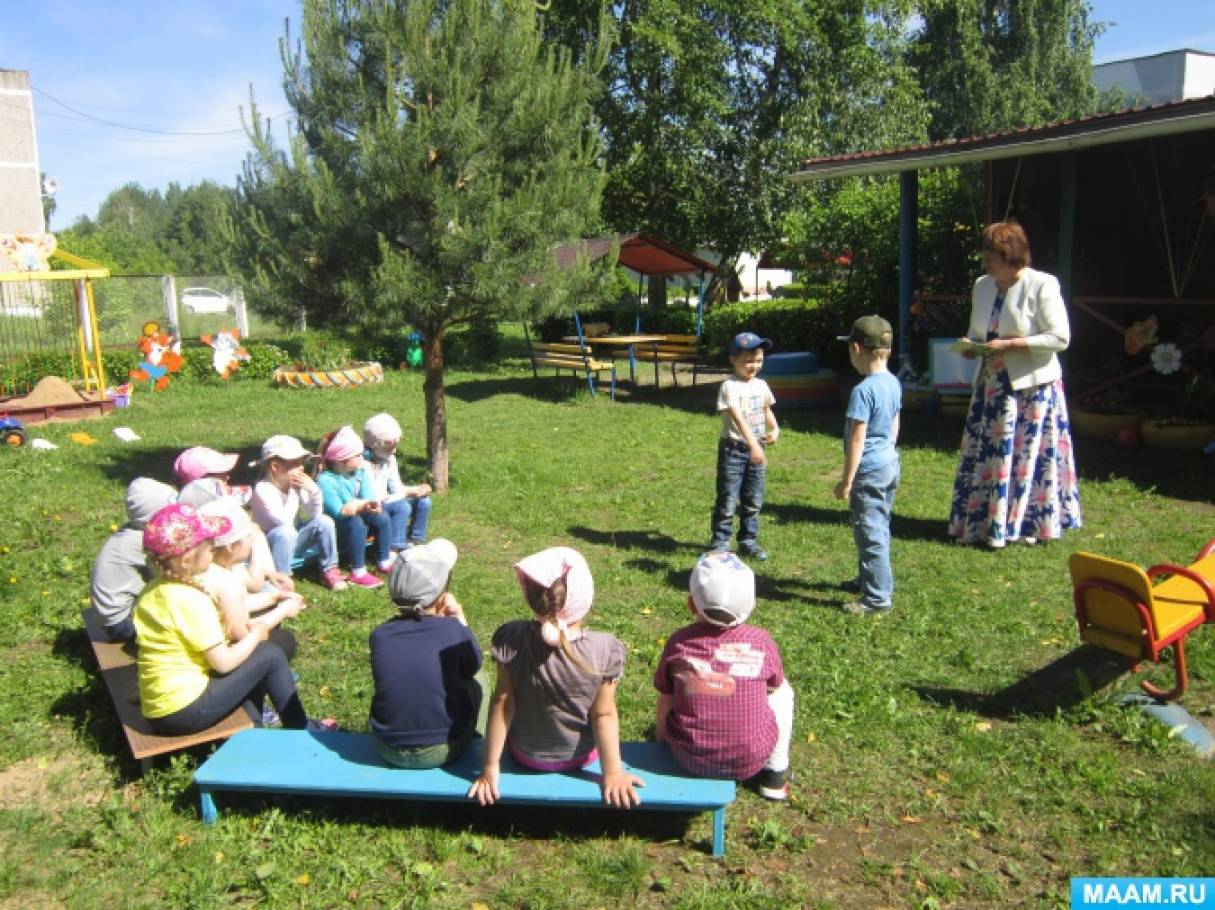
{"points": [[724, 705]]}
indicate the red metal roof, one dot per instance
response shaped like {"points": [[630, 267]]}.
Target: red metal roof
{"points": [[641, 252], [1179, 116]]}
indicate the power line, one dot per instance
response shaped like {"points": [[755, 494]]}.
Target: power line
{"points": [[143, 129]]}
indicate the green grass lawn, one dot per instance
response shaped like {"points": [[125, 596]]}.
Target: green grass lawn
{"points": [[945, 755]]}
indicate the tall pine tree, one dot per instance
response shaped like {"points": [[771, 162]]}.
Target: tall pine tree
{"points": [[442, 148]]}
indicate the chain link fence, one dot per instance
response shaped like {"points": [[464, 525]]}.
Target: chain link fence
{"points": [[192, 305]]}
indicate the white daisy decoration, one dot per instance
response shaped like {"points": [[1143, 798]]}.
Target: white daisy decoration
{"points": [[1166, 358]]}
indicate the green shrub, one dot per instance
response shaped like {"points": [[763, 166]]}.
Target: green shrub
{"points": [[323, 351], [263, 360], [793, 325], [472, 346]]}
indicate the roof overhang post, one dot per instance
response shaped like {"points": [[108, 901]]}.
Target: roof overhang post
{"points": [[1067, 221], [909, 213]]}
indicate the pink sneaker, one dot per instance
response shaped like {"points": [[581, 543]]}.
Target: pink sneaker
{"points": [[333, 579], [364, 579], [384, 567]]}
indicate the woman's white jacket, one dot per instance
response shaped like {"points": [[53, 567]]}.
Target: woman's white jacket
{"points": [[1033, 310]]}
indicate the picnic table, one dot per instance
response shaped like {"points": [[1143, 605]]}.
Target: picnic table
{"points": [[619, 341]]}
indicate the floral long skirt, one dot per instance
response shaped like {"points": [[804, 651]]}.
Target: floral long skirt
{"points": [[1017, 473]]}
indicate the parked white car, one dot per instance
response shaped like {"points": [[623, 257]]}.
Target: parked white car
{"points": [[205, 300]]}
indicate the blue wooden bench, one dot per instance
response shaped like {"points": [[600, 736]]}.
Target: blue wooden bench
{"points": [[346, 764]]}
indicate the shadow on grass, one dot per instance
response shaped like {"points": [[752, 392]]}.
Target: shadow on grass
{"points": [[546, 388], [902, 527], [455, 819], [89, 709], [1042, 693]]}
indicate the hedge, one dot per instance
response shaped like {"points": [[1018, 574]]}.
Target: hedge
{"points": [[793, 325], [25, 371]]}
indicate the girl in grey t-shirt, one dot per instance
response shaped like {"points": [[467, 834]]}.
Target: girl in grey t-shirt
{"points": [[554, 706]]}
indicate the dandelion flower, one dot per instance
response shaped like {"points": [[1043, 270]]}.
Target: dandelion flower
{"points": [[1166, 358]]}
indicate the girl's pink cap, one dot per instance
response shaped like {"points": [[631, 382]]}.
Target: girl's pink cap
{"points": [[200, 461], [547, 566], [178, 529], [344, 444]]}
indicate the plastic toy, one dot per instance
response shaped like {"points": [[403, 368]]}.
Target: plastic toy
{"points": [[12, 431]]}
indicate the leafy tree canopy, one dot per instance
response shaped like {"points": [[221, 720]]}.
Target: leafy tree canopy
{"points": [[708, 106]]}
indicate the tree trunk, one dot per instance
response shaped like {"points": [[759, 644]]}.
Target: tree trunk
{"points": [[657, 292], [436, 412]]}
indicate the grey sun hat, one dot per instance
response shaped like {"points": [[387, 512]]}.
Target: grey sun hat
{"points": [[420, 573], [145, 497]]}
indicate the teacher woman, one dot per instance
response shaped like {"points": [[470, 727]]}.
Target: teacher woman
{"points": [[1017, 475]]}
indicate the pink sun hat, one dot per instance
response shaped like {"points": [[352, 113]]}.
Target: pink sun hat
{"points": [[178, 529], [344, 444], [200, 461], [546, 567]]}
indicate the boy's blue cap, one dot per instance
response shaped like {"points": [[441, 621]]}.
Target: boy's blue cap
{"points": [[748, 341]]}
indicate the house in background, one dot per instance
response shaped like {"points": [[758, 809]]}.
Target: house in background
{"points": [[1160, 78], [20, 179]]}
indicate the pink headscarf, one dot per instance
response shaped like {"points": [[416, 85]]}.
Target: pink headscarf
{"points": [[546, 567], [344, 444]]}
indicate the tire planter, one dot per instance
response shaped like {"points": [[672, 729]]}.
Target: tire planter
{"points": [[1096, 425], [1176, 437], [354, 375]]}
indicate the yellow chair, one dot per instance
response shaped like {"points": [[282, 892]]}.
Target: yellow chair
{"points": [[1118, 608]]}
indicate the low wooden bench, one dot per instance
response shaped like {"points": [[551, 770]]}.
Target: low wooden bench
{"points": [[576, 358], [347, 765], [116, 661], [673, 349]]}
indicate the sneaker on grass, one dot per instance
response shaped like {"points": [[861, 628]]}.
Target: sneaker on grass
{"points": [[772, 785]]}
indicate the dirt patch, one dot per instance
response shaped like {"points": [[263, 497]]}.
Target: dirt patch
{"points": [[52, 784], [40, 900]]}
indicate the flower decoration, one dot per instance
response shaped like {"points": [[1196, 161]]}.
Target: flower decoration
{"points": [[1140, 335], [1166, 358]]}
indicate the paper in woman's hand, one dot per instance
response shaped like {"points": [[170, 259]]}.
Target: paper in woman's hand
{"points": [[966, 346]]}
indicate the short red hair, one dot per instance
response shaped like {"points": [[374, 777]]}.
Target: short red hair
{"points": [[1008, 241]]}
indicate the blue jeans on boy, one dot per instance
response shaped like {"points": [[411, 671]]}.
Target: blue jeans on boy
{"points": [[740, 488], [409, 518], [352, 532], [314, 539], [871, 502]]}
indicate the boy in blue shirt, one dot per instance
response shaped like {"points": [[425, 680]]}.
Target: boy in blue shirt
{"points": [[871, 463]]}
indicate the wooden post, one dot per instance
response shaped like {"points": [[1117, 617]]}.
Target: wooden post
{"points": [[1067, 222], [909, 205]]}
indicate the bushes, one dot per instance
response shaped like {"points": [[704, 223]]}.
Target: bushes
{"points": [[118, 363], [793, 325], [323, 351]]}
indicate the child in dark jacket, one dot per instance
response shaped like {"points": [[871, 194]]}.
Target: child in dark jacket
{"points": [[429, 688]]}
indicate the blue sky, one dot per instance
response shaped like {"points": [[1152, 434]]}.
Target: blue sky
{"points": [[171, 77]]}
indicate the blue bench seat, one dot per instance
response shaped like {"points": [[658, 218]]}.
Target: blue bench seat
{"points": [[302, 762]]}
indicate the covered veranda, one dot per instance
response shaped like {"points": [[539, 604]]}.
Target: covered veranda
{"points": [[1119, 206]]}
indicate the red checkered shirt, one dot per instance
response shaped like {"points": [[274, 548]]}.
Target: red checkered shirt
{"points": [[720, 724]]}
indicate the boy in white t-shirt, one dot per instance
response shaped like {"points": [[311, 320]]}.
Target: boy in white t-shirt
{"points": [[747, 426]]}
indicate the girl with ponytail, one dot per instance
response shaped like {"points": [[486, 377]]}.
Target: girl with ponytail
{"points": [[554, 706]]}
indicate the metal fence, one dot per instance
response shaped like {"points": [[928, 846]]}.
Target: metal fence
{"points": [[190, 306]]}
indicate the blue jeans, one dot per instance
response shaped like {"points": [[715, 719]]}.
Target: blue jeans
{"points": [[409, 518], [352, 532], [740, 488], [871, 503], [123, 630], [315, 539]]}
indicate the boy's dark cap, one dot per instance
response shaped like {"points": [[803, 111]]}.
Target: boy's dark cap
{"points": [[748, 341], [871, 332]]}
